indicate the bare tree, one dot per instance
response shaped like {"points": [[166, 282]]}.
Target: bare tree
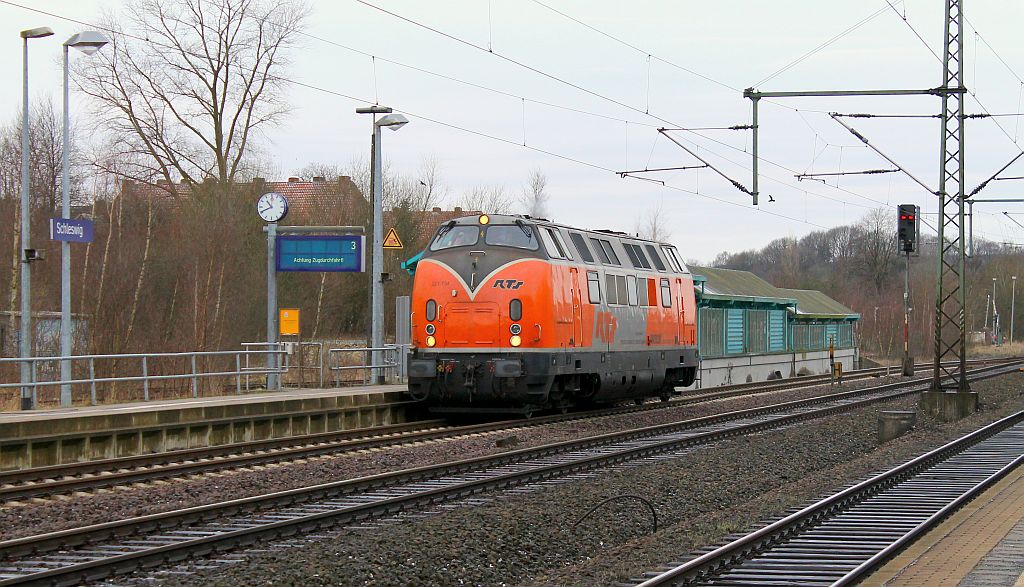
{"points": [[534, 198], [188, 100], [652, 224], [490, 199]]}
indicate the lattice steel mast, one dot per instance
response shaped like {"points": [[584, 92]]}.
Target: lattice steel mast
{"points": [[950, 323]]}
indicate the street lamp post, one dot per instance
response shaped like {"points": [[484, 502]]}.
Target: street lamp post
{"points": [[26, 273], [87, 42], [995, 315], [394, 122]]}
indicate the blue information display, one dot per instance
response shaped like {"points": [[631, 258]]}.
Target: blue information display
{"points": [[74, 231], [321, 253]]}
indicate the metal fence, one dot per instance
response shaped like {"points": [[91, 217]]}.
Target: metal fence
{"points": [[393, 357], [167, 374]]}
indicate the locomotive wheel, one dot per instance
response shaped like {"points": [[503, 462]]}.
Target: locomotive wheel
{"points": [[665, 396]]}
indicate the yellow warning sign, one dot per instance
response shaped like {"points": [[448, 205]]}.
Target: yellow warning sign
{"points": [[391, 241], [288, 321]]}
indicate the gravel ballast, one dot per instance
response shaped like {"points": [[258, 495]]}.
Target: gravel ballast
{"points": [[149, 498], [529, 539]]}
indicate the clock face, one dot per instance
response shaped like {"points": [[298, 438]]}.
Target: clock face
{"points": [[272, 207]]}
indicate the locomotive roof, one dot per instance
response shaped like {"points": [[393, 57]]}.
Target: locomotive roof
{"points": [[597, 232]]}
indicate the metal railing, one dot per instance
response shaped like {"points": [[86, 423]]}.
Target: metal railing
{"points": [[393, 357], [145, 362]]}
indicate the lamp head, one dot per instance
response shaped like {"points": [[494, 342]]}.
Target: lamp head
{"points": [[87, 42], [36, 33], [393, 121]]}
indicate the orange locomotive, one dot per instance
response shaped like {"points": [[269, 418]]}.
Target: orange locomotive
{"points": [[518, 314]]}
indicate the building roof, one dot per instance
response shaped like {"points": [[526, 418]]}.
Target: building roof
{"points": [[303, 196], [811, 303], [431, 219], [732, 284]]}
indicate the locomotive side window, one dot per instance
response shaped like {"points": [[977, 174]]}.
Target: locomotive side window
{"points": [[631, 290], [545, 235], [581, 246], [515, 310], [666, 294], [600, 252], [671, 253], [456, 236], [672, 261], [620, 289], [510, 235], [610, 291], [594, 287], [641, 291], [655, 257], [554, 244], [632, 255], [560, 243], [641, 256], [609, 252], [431, 310]]}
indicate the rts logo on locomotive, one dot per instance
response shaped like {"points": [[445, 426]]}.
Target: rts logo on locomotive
{"points": [[507, 284]]}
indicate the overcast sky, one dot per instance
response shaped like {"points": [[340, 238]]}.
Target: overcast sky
{"points": [[601, 125]]}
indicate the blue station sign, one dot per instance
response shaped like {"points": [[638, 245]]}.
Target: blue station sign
{"points": [[321, 253], [74, 231]]}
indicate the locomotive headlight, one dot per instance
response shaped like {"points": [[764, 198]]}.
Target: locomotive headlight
{"points": [[515, 340], [430, 341], [515, 329], [430, 329], [484, 219]]}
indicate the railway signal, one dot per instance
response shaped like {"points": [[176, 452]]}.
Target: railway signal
{"points": [[907, 227]]}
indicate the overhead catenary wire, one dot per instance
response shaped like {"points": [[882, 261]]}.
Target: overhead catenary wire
{"points": [[430, 119], [609, 99]]}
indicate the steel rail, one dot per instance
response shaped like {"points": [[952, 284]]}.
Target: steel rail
{"points": [[102, 473], [385, 494], [705, 568]]}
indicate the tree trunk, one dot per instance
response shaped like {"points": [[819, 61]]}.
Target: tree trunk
{"points": [[142, 276], [103, 271], [319, 304]]}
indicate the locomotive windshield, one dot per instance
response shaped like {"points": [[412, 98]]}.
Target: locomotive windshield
{"points": [[455, 236], [520, 236]]}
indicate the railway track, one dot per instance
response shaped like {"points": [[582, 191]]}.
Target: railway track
{"points": [[95, 552], [843, 538], [85, 476]]}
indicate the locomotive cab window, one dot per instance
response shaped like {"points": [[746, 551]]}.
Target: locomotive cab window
{"points": [[666, 294], [594, 287], [581, 247], [520, 236], [455, 236]]}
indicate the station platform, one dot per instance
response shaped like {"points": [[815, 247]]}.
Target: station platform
{"points": [[982, 545], [40, 438]]}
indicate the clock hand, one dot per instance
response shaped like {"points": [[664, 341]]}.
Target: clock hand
{"points": [[265, 209]]}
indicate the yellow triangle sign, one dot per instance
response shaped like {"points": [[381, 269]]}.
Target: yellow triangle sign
{"points": [[391, 241]]}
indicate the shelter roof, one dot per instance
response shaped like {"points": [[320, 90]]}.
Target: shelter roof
{"points": [[812, 303], [736, 285]]}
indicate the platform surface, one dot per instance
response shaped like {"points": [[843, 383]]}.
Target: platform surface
{"points": [[982, 545], [185, 403]]}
